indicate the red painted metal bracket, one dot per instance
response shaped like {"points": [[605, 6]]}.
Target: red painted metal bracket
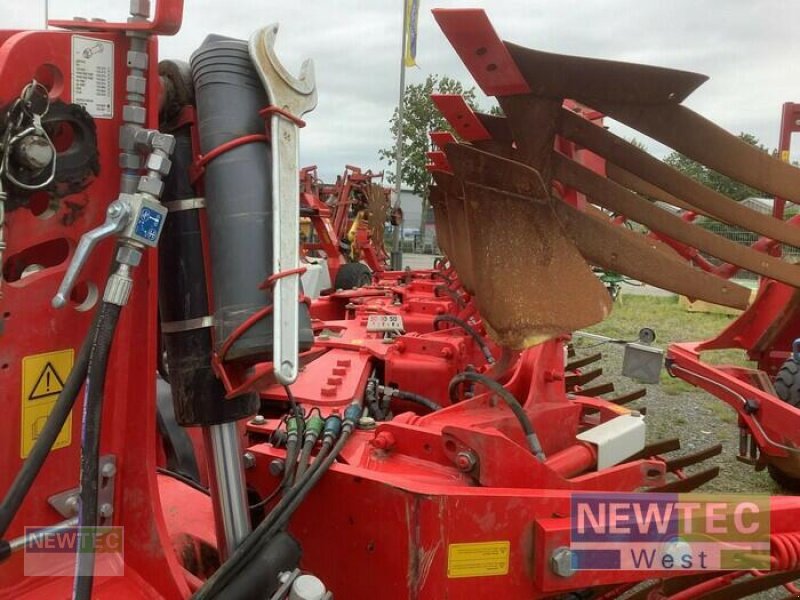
{"points": [[482, 51], [438, 162], [166, 21], [442, 138], [459, 114]]}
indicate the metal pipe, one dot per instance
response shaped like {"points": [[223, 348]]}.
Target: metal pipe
{"points": [[20, 542], [397, 255], [227, 487]]}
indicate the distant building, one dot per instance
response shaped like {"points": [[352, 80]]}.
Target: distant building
{"points": [[411, 204]]}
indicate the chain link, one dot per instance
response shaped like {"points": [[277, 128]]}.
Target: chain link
{"points": [[23, 118]]}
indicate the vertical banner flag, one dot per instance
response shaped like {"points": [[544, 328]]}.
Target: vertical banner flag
{"points": [[412, 14]]}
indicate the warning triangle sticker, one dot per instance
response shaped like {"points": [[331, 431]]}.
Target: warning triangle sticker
{"points": [[48, 384]]}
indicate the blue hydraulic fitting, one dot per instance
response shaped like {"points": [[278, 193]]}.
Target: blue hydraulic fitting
{"points": [[352, 413], [333, 427]]}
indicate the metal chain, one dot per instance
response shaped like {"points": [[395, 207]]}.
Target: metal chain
{"points": [[22, 119]]}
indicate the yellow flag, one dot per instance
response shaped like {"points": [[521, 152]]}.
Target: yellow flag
{"points": [[412, 15]]}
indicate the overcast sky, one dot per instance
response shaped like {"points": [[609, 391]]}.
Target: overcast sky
{"points": [[749, 48]]}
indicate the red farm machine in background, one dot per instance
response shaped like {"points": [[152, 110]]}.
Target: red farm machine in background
{"points": [[425, 436], [766, 397], [343, 223]]}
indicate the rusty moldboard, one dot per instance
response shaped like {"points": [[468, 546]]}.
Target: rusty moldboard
{"points": [[531, 282], [652, 170], [702, 140], [563, 76], [647, 189], [616, 198], [600, 242]]}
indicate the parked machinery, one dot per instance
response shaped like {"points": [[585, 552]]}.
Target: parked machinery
{"points": [[410, 439], [346, 222]]}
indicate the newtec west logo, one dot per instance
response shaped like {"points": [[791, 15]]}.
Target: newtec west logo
{"points": [[669, 532], [50, 552]]}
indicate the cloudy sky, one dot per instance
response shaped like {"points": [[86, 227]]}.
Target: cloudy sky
{"points": [[749, 48]]}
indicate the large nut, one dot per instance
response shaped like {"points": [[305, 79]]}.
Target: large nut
{"points": [[127, 136], [137, 60], [129, 256], [152, 185], [164, 142], [136, 85], [140, 8], [134, 114], [158, 162], [130, 161]]}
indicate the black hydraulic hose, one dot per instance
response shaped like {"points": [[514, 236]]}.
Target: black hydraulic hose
{"points": [[90, 444], [417, 399], [513, 404], [274, 521], [487, 353], [305, 457], [292, 448], [449, 292], [41, 448]]}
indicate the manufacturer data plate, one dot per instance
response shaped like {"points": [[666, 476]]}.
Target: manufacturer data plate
{"points": [[384, 323], [93, 75]]}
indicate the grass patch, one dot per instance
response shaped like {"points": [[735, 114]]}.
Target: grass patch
{"points": [[663, 314], [672, 323]]}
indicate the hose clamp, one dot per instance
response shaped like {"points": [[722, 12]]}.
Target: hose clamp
{"points": [[187, 325]]}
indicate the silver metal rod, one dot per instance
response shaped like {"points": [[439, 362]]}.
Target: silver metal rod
{"points": [[399, 145], [227, 487], [20, 542]]}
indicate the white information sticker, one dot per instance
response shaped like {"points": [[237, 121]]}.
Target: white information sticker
{"points": [[384, 323], [93, 75]]}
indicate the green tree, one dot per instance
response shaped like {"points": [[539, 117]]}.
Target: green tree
{"points": [[716, 181], [420, 118]]}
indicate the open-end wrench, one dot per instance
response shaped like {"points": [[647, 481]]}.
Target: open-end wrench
{"points": [[293, 97]]}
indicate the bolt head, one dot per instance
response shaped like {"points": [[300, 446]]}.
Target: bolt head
{"points": [[114, 210], [71, 504], [106, 510], [108, 470], [561, 562], [276, 467], [249, 460], [466, 460]]}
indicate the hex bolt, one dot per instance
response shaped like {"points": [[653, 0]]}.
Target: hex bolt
{"points": [[106, 510], [258, 420], [561, 562], [71, 504], [249, 460], [108, 470], [466, 460], [276, 466]]}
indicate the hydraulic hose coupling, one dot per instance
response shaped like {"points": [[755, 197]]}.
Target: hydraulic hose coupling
{"points": [[333, 428], [351, 415], [314, 426], [294, 428]]}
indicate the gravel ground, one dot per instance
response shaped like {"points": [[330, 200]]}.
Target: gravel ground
{"points": [[674, 408]]}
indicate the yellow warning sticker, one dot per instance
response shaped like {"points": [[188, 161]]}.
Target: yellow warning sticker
{"points": [[43, 377], [480, 559]]}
